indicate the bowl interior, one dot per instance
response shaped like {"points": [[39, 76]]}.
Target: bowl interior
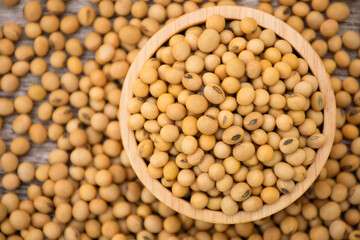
{"points": [[282, 30]]}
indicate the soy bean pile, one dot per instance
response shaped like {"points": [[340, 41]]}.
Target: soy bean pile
{"points": [[229, 116], [87, 189]]}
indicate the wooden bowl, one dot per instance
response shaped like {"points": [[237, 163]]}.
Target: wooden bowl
{"points": [[282, 30]]}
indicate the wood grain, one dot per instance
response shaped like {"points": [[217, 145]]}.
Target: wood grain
{"points": [[39, 152], [282, 30]]}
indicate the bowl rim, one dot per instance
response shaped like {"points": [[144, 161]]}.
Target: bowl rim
{"points": [[282, 30]]}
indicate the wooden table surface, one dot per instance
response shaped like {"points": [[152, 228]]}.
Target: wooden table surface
{"points": [[39, 152]]}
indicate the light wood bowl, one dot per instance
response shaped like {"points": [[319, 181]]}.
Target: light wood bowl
{"points": [[282, 30]]}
